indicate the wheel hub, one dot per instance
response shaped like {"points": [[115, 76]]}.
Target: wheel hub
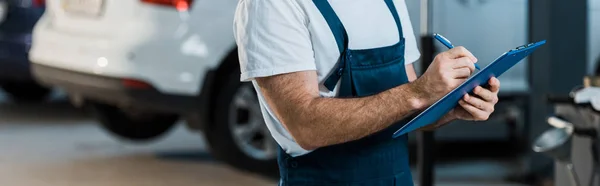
{"points": [[247, 125]]}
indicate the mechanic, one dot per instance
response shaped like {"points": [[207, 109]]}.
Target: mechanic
{"points": [[335, 79]]}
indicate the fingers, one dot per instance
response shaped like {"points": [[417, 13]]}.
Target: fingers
{"points": [[486, 94], [464, 62], [481, 108], [462, 73], [479, 103], [459, 52], [476, 114], [494, 85]]}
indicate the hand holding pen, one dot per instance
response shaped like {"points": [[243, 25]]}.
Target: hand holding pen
{"points": [[447, 71], [448, 44], [480, 105]]}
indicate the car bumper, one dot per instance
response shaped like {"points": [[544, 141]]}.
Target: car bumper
{"points": [[113, 90]]}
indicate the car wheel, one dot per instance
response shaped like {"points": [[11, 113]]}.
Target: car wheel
{"points": [[26, 92], [133, 125], [239, 135]]}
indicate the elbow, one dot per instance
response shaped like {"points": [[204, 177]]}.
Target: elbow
{"points": [[305, 138], [307, 144], [306, 131]]}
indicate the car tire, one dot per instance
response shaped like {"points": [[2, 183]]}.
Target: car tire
{"points": [[255, 152], [134, 126], [26, 92]]}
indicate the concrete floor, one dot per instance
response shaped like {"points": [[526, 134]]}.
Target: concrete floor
{"points": [[53, 144]]}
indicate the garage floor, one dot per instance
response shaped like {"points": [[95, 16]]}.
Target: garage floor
{"points": [[53, 144]]}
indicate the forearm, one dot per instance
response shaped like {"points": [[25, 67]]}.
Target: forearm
{"points": [[328, 121]]}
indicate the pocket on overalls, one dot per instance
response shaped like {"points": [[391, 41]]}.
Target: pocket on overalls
{"points": [[372, 79]]}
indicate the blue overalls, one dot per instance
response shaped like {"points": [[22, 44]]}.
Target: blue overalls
{"points": [[377, 159]]}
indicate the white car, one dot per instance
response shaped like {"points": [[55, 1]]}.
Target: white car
{"points": [[141, 64]]}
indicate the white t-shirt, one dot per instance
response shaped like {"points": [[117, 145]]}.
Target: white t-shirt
{"points": [[283, 36]]}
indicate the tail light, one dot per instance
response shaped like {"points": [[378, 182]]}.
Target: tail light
{"points": [[135, 84], [179, 5], [38, 3]]}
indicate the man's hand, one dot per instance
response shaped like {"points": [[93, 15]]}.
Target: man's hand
{"points": [[479, 107], [448, 70], [472, 108]]}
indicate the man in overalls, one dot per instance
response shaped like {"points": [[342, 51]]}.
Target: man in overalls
{"points": [[335, 79]]}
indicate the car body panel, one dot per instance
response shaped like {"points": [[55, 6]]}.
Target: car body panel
{"points": [[124, 40]]}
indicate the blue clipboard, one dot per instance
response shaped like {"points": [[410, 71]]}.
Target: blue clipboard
{"points": [[450, 100]]}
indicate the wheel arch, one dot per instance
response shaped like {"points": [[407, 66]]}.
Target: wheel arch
{"points": [[203, 118]]}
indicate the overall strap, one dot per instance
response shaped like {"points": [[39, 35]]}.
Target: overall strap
{"points": [[334, 22], [392, 7], [341, 38]]}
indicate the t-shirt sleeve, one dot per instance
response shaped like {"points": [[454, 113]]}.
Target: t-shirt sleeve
{"points": [[272, 38], [411, 53]]}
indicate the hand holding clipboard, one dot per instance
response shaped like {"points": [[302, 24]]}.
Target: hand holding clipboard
{"points": [[450, 100]]}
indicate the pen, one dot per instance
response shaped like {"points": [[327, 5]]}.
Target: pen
{"points": [[447, 43]]}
